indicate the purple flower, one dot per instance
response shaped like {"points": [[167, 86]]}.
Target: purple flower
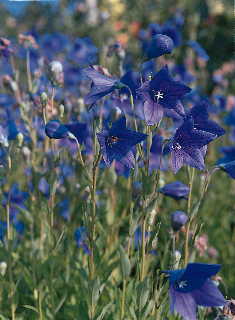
{"points": [[187, 146], [178, 220], [159, 93], [176, 190], [101, 85], [191, 287], [117, 141]]}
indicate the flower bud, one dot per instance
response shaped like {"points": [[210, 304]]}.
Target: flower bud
{"points": [[20, 139], [44, 99], [177, 257], [61, 110], [178, 220], [56, 74], [3, 268]]}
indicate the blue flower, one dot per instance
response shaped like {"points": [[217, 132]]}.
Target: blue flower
{"points": [[201, 121], [188, 146], [230, 118], [191, 287], [159, 45], [81, 239], [229, 152], [83, 52], [178, 220], [54, 43], [101, 86], [138, 239], [176, 190], [117, 141], [64, 208], [159, 93], [229, 168], [3, 229], [198, 49], [44, 187], [56, 130]]}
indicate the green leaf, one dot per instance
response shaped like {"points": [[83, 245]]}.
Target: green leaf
{"points": [[125, 263], [30, 307], [104, 311]]}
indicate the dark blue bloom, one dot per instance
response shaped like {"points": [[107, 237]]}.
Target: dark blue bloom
{"points": [[5, 47], [191, 287], [54, 43], [159, 45], [201, 120], [138, 239], [156, 160], [229, 168], [198, 49], [16, 199], [12, 130], [187, 146], [229, 154], [159, 93], [178, 220], [230, 118], [3, 228], [64, 209], [132, 80], [117, 141], [19, 226], [101, 86], [56, 130], [176, 190], [81, 239], [44, 187], [15, 196], [83, 52], [173, 32], [181, 73]]}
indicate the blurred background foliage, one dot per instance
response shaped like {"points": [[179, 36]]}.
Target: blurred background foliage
{"points": [[209, 22]]}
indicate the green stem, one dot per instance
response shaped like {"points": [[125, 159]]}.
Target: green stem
{"points": [[142, 270], [186, 245], [123, 300], [29, 77], [93, 213]]}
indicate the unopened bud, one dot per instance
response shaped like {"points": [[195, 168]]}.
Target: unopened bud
{"points": [[177, 257], [9, 83], [3, 268], [178, 220], [81, 104], [20, 139], [61, 109], [152, 217], [44, 99], [56, 74], [35, 294]]}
